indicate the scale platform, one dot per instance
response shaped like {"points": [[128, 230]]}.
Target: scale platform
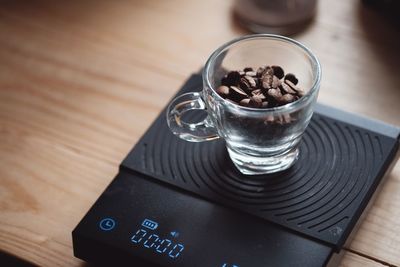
{"points": [[176, 203]]}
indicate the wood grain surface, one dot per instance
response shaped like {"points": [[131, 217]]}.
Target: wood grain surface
{"points": [[80, 82]]}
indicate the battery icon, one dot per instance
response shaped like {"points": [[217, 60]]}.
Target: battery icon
{"points": [[150, 224]]}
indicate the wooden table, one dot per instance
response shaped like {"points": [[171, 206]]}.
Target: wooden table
{"points": [[80, 81]]}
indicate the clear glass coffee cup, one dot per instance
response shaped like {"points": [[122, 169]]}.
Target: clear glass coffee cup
{"points": [[259, 140]]}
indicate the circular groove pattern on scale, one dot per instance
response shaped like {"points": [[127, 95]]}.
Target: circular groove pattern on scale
{"points": [[334, 166]]}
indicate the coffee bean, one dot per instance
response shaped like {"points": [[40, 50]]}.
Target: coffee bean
{"points": [[275, 93], [278, 71], [236, 94], [260, 71], [288, 98], [298, 90], [244, 102], [244, 84], [267, 78], [279, 119], [268, 71], [224, 81], [251, 81], [251, 73], [264, 104], [269, 119], [255, 102], [292, 78], [287, 89], [275, 82], [272, 102], [266, 82], [233, 78], [287, 118], [223, 91], [258, 94]]}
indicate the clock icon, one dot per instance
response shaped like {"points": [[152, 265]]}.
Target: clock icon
{"points": [[107, 224]]}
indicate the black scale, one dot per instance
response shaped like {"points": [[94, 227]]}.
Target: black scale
{"points": [[176, 203]]}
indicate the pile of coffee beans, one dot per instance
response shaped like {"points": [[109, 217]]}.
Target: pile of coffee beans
{"points": [[267, 87]]}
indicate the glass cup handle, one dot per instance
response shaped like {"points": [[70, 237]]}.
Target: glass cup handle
{"points": [[193, 132]]}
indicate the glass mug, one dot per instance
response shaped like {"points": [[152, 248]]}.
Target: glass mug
{"points": [[259, 141]]}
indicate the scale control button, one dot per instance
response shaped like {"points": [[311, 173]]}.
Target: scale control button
{"points": [[107, 224]]}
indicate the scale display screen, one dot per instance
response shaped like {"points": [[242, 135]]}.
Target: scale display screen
{"points": [[148, 237]]}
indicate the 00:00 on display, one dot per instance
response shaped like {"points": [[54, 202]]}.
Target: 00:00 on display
{"points": [[160, 245]]}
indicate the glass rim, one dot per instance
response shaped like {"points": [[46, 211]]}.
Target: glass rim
{"points": [[316, 67]]}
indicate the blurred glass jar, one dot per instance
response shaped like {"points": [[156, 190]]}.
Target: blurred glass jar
{"points": [[275, 16]]}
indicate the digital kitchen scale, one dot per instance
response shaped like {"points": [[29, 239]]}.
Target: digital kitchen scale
{"points": [[176, 203]]}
